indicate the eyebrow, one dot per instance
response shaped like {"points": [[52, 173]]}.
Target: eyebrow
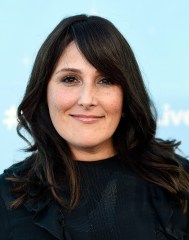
{"points": [[68, 70]]}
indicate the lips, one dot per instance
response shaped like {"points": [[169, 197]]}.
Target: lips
{"points": [[86, 118]]}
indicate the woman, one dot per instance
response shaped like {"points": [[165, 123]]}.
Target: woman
{"points": [[96, 169]]}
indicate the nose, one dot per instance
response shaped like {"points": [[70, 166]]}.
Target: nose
{"points": [[87, 97]]}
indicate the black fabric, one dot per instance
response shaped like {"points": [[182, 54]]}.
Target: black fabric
{"points": [[115, 204]]}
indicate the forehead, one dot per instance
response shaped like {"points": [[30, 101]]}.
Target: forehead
{"points": [[72, 57], [71, 53]]}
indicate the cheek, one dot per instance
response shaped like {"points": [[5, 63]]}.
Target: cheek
{"points": [[116, 111], [54, 103], [116, 104], [59, 101]]}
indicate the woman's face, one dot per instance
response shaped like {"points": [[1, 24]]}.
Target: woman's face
{"points": [[84, 105]]}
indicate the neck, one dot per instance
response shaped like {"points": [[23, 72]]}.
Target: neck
{"points": [[92, 154]]}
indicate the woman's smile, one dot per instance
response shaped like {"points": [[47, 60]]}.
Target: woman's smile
{"points": [[87, 118]]}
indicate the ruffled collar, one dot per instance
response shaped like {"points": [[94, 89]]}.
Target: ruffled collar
{"points": [[49, 215]]}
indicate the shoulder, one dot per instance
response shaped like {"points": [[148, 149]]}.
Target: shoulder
{"points": [[14, 170], [5, 187], [168, 214], [17, 169], [166, 207], [5, 200]]}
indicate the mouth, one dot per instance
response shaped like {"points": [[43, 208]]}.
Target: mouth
{"points": [[86, 118]]}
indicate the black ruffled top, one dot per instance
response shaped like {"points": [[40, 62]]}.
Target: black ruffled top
{"points": [[115, 204]]}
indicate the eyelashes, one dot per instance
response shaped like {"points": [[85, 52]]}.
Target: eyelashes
{"points": [[107, 81], [72, 80], [69, 80]]}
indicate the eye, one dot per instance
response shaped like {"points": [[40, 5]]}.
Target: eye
{"points": [[107, 81], [70, 80]]}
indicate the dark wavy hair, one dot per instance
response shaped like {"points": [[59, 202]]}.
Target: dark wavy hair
{"points": [[134, 139]]}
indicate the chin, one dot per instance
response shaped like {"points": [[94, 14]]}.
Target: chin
{"points": [[92, 145]]}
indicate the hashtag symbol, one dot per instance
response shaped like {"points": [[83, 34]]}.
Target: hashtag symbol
{"points": [[10, 120]]}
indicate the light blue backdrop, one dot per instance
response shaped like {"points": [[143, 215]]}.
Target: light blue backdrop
{"points": [[158, 32]]}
